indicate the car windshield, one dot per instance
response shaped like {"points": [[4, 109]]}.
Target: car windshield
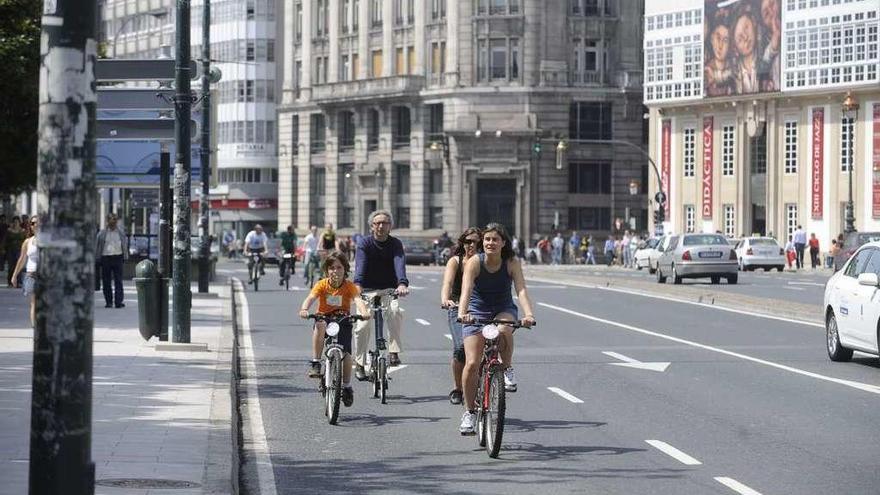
{"points": [[868, 237], [762, 242], [704, 240], [651, 243]]}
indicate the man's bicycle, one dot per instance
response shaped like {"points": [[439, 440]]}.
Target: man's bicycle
{"points": [[313, 269], [332, 359], [491, 396], [255, 268], [287, 261], [378, 356]]}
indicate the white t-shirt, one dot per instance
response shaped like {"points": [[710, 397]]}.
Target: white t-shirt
{"points": [[311, 243], [255, 241], [112, 243]]}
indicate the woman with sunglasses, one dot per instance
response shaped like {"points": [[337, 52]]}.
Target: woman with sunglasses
{"points": [[468, 243], [27, 260], [486, 295]]}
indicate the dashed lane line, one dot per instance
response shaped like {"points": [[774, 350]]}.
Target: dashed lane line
{"points": [[423, 322], [448, 336], [736, 486], [673, 452], [565, 395]]}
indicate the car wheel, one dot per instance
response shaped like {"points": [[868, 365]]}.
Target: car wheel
{"points": [[733, 279], [661, 279], [835, 350], [638, 266], [651, 269], [780, 268], [676, 278], [716, 279]]}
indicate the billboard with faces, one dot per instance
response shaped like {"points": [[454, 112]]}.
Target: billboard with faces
{"points": [[742, 43]]}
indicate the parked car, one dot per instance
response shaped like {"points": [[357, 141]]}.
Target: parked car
{"points": [[654, 256], [851, 243], [852, 305], [698, 256], [418, 252], [760, 252], [643, 253]]}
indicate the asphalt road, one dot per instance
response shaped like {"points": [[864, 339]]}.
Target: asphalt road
{"points": [[744, 403]]}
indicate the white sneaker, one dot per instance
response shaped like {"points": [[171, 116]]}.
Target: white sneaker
{"points": [[509, 380], [468, 421]]}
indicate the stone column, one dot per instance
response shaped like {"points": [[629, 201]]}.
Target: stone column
{"points": [[306, 83], [387, 39], [333, 15], [363, 39], [452, 15], [419, 44], [418, 199], [331, 167], [303, 198]]}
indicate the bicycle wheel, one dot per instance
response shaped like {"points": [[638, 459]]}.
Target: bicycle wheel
{"points": [[495, 413], [334, 388], [374, 377], [481, 417], [382, 378]]}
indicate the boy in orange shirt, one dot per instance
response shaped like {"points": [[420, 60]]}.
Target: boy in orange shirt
{"points": [[334, 295]]}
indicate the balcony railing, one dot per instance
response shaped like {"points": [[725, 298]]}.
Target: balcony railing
{"points": [[587, 77], [366, 89]]}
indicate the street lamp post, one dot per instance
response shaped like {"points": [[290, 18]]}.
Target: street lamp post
{"points": [[205, 152], [850, 111]]}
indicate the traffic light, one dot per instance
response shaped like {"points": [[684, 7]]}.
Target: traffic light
{"points": [[536, 148], [658, 218]]}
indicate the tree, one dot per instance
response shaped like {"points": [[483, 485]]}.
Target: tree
{"points": [[19, 91]]}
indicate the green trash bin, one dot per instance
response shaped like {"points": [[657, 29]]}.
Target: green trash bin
{"points": [[146, 279]]}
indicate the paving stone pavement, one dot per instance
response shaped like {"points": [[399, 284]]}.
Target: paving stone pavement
{"points": [[156, 415]]}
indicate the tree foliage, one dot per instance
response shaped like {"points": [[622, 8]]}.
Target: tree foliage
{"points": [[19, 93]]}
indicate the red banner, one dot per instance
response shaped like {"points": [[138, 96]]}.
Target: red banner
{"points": [[817, 161], [708, 165], [666, 161], [875, 188]]}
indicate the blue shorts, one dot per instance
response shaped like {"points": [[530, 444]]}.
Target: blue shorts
{"points": [[476, 328], [455, 330]]}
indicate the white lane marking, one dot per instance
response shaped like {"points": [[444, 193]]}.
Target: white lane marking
{"points": [[849, 383], [565, 395], [736, 486], [422, 322], [416, 287], [546, 287], [392, 369], [673, 452], [259, 445], [807, 283], [432, 280], [634, 292], [794, 288], [629, 362], [448, 336]]}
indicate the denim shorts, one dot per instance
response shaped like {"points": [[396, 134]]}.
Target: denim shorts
{"points": [[476, 328], [455, 330], [29, 283]]}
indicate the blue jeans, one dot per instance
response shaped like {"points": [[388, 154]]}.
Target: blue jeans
{"points": [[455, 332]]}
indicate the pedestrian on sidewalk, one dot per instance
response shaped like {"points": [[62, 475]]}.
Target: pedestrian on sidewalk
{"points": [[28, 260], [112, 248], [591, 251], [15, 236], [814, 251], [609, 250], [543, 246], [790, 254], [800, 243], [624, 248], [574, 243], [832, 254], [558, 245]]}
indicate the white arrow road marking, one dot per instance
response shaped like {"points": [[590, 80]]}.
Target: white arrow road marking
{"points": [[673, 452], [392, 369], [736, 486], [629, 362], [448, 336], [874, 389], [565, 395], [807, 283], [422, 322]]}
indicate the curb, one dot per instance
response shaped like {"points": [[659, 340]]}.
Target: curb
{"points": [[234, 392], [220, 468]]}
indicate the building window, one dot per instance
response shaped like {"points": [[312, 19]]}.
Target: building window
{"points": [[347, 220], [435, 122], [589, 178], [588, 55], [398, 12], [689, 218], [846, 143], [497, 7], [791, 138], [321, 17], [294, 134], [791, 219], [355, 15], [318, 216], [346, 131], [373, 129], [346, 181], [498, 59], [345, 16], [438, 9], [399, 62], [435, 217], [401, 178], [402, 218], [435, 181], [438, 57], [729, 221], [758, 152], [589, 218], [344, 68], [727, 145], [377, 63], [590, 121], [376, 13], [299, 21], [401, 127], [317, 130], [690, 152], [317, 186]]}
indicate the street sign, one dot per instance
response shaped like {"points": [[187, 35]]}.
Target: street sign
{"points": [[131, 129], [135, 99], [660, 197], [127, 69], [135, 163]]}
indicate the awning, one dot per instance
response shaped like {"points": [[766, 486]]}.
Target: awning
{"points": [[245, 215]]}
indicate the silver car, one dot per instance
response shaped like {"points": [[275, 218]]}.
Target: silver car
{"points": [[760, 252], [698, 256]]}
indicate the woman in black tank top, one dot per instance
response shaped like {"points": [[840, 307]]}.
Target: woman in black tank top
{"points": [[467, 246]]}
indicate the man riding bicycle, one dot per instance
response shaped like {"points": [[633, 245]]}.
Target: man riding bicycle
{"points": [[380, 263], [310, 258], [288, 246], [255, 242]]}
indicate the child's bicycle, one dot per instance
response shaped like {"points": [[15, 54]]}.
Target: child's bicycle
{"points": [[332, 358]]}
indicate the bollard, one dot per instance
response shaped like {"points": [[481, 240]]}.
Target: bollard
{"points": [[147, 282]]}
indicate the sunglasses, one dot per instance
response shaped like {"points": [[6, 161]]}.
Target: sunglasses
{"points": [[468, 242], [33, 223]]}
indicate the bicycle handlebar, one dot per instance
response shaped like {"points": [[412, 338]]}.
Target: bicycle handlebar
{"points": [[512, 324], [334, 317], [369, 296]]}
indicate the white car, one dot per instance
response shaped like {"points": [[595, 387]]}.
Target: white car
{"points": [[654, 255], [760, 252], [852, 305], [643, 253]]}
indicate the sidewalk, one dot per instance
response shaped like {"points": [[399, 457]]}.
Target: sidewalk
{"points": [[157, 417]]}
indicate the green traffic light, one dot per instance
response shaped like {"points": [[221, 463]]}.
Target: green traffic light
{"points": [[537, 147]]}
